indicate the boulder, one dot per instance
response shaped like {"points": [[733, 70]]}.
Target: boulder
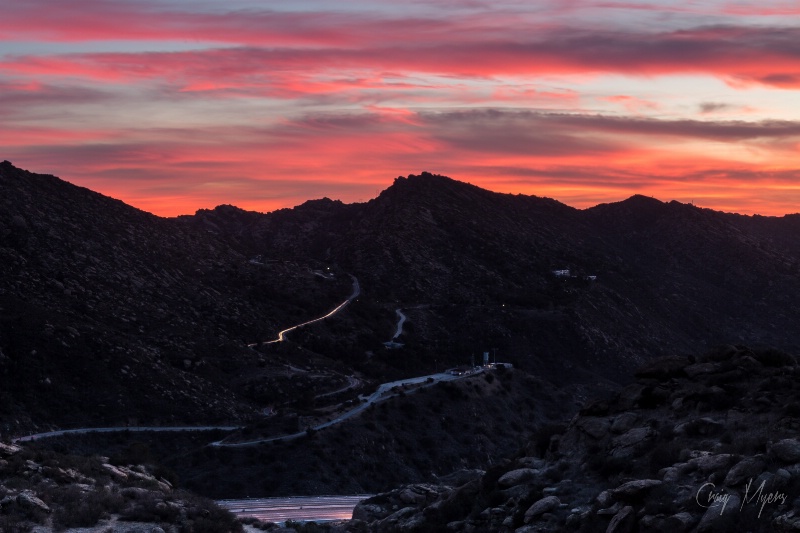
{"points": [[7, 450], [782, 477], [7, 500], [518, 492], [409, 496], [722, 515], [700, 368], [532, 462], [604, 499], [403, 519], [787, 522], [786, 450], [596, 428], [629, 396], [462, 477], [632, 437], [368, 512], [747, 468], [517, 477], [115, 472], [27, 500], [635, 489], [623, 521], [135, 493], [610, 511], [624, 422], [678, 522], [540, 507], [670, 474], [699, 426], [707, 464]]}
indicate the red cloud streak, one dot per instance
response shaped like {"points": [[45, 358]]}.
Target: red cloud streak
{"points": [[581, 160], [743, 55]]}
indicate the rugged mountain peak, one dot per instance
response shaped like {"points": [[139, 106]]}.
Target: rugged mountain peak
{"points": [[320, 205], [428, 186], [641, 199], [637, 204]]}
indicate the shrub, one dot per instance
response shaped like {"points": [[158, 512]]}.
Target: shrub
{"points": [[76, 509], [542, 437], [608, 467], [792, 409], [773, 357], [664, 454]]}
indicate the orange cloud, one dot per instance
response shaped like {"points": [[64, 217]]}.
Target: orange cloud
{"points": [[579, 159]]}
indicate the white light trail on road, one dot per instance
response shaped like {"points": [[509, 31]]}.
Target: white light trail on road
{"points": [[282, 334], [300, 508]]}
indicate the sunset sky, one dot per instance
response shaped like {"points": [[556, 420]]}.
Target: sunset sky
{"points": [[177, 105]]}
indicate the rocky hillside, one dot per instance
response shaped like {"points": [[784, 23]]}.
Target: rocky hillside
{"points": [[111, 316], [44, 491], [475, 269], [421, 434], [692, 445]]}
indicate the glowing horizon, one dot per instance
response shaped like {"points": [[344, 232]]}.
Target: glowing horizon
{"points": [[175, 106]]}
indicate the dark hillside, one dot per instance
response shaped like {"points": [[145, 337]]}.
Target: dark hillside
{"points": [[112, 316], [704, 275], [109, 315], [475, 269]]}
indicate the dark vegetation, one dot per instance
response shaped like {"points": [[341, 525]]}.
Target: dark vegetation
{"points": [[157, 313], [41, 487], [416, 437]]}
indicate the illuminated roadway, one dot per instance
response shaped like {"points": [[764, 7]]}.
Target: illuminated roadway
{"points": [[282, 334], [383, 392], [299, 508], [79, 431], [399, 323]]}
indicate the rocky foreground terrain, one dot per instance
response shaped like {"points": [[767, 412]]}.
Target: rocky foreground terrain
{"points": [[706, 444], [43, 491], [693, 445]]}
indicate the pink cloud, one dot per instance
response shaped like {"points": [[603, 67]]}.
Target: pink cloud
{"points": [[766, 56], [631, 103]]}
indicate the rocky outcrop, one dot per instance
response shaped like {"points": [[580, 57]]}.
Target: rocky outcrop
{"points": [[51, 492], [694, 459]]}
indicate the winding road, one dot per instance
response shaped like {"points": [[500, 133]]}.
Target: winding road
{"points": [[79, 431], [383, 392], [400, 323], [282, 334], [300, 508]]}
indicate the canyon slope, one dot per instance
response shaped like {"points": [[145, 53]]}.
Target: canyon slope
{"points": [[109, 315]]}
